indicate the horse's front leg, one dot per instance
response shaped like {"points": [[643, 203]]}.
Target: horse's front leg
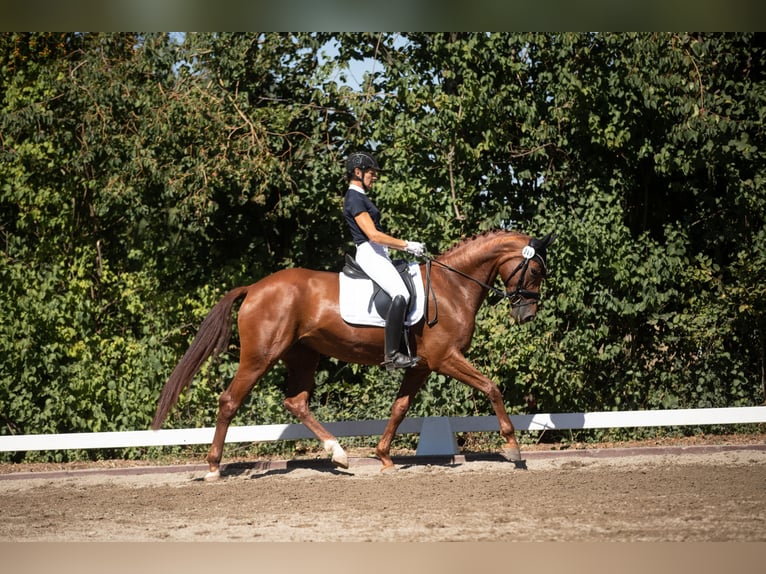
{"points": [[411, 384], [459, 368]]}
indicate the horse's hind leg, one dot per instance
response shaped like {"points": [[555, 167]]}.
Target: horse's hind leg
{"points": [[301, 363], [228, 404]]}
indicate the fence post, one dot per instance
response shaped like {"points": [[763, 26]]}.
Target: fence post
{"points": [[436, 438]]}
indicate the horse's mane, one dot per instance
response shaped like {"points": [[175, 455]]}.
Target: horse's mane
{"points": [[481, 238]]}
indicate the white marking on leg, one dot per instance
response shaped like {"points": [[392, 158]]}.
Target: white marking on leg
{"points": [[338, 454], [213, 475]]}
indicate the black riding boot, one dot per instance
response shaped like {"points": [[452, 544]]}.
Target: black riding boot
{"points": [[393, 333]]}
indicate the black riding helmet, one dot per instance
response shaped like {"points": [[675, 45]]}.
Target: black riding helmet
{"points": [[361, 160]]}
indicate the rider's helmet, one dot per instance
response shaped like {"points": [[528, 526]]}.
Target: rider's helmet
{"points": [[361, 160]]}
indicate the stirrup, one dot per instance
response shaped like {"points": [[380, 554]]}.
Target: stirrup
{"points": [[399, 361]]}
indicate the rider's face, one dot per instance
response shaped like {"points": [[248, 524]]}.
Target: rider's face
{"points": [[370, 176]]}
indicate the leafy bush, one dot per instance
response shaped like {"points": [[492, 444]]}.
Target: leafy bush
{"points": [[142, 176]]}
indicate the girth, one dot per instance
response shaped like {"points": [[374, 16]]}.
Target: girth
{"points": [[380, 299]]}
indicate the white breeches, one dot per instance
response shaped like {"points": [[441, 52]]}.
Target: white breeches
{"points": [[374, 259]]}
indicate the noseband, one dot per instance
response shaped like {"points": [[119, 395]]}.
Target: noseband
{"points": [[519, 297]]}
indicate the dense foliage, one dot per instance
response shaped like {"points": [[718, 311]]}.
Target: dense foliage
{"points": [[141, 176]]}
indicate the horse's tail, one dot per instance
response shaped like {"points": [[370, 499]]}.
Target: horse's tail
{"points": [[212, 338]]}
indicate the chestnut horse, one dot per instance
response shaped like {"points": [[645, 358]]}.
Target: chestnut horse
{"points": [[293, 316]]}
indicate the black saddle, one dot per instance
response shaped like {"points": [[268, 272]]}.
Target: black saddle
{"points": [[380, 299]]}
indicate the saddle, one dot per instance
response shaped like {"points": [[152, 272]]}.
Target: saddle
{"points": [[381, 300]]}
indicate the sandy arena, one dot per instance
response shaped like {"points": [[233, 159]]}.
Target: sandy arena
{"points": [[668, 495]]}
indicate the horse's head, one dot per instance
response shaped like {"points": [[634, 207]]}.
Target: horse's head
{"points": [[522, 274]]}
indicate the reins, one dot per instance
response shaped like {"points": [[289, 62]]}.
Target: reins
{"points": [[518, 297]]}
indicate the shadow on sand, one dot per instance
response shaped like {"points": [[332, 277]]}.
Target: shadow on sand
{"points": [[261, 469]]}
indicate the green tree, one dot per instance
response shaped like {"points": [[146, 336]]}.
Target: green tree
{"points": [[143, 175]]}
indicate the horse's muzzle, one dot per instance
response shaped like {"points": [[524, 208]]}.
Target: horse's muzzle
{"points": [[524, 313]]}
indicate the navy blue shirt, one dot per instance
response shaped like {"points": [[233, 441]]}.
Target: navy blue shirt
{"points": [[355, 203]]}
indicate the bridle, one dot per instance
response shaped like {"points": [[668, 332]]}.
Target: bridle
{"points": [[518, 297]]}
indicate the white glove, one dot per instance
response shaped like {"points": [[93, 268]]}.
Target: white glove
{"points": [[416, 248]]}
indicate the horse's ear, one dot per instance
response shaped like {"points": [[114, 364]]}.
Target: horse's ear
{"points": [[548, 240]]}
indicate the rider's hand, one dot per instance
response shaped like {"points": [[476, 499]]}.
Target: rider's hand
{"points": [[415, 248]]}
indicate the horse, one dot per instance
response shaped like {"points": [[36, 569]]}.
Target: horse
{"points": [[293, 316]]}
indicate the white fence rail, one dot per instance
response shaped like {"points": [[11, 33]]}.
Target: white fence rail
{"points": [[437, 434]]}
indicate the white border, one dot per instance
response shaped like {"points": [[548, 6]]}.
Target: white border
{"points": [[266, 433]]}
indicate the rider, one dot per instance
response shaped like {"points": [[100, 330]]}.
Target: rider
{"points": [[372, 244]]}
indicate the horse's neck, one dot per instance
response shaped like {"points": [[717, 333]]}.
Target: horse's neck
{"points": [[480, 258], [481, 269]]}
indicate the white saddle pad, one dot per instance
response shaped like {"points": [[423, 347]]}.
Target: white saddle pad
{"points": [[355, 297]]}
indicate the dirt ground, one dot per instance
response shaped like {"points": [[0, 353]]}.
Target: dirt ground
{"points": [[682, 494]]}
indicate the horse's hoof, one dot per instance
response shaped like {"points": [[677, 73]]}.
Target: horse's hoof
{"points": [[339, 457], [340, 461], [212, 476], [388, 467], [511, 453]]}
